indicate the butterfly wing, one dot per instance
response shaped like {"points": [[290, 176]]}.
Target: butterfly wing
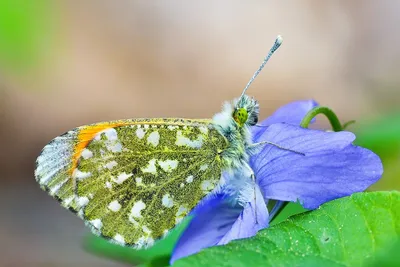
{"points": [[133, 181], [59, 158]]}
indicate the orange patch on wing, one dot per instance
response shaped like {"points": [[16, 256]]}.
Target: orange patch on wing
{"points": [[86, 135]]}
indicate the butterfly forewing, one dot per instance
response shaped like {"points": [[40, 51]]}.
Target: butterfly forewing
{"points": [[134, 182], [59, 158], [53, 170]]}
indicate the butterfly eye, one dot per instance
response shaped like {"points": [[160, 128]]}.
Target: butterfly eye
{"points": [[240, 115]]}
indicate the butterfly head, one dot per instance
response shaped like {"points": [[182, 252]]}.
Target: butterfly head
{"points": [[245, 111]]}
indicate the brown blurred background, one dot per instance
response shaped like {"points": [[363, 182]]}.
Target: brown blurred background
{"points": [[104, 60]]}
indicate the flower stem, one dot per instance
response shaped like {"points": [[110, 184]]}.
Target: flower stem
{"points": [[345, 125], [333, 119]]}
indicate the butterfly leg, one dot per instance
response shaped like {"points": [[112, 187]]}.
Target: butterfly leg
{"points": [[255, 146], [253, 178]]}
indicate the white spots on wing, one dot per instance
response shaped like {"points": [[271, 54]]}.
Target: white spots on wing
{"points": [[86, 154], [165, 233], [57, 187], [145, 241], [68, 201], [180, 214], [111, 143], [132, 220], [153, 138], [146, 230], [172, 127], [122, 177], [150, 241], [108, 185], [111, 164], [83, 201], [119, 239], [182, 140], [114, 206], [110, 134], [203, 129], [97, 223], [137, 209], [207, 186], [167, 201], [116, 147], [139, 181], [77, 174], [80, 213], [182, 211], [168, 165], [140, 133], [189, 179], [97, 137], [151, 167], [203, 167]]}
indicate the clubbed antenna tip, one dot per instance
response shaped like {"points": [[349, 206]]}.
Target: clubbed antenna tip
{"points": [[277, 44]]}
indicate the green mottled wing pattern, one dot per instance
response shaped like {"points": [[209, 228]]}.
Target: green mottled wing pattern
{"points": [[136, 182]]}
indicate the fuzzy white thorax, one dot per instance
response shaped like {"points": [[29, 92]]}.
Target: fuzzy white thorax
{"points": [[238, 137], [224, 118]]}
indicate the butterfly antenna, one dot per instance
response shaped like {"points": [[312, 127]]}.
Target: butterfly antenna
{"points": [[277, 44]]}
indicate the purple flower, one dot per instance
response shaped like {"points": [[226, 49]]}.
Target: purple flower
{"points": [[331, 168]]}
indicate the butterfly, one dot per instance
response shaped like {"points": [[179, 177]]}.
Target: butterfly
{"points": [[132, 181]]}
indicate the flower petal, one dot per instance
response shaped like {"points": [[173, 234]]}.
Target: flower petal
{"points": [[217, 221], [291, 113], [331, 168], [212, 219], [246, 225]]}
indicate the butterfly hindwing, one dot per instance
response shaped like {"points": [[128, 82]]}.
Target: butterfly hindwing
{"points": [[132, 183]]}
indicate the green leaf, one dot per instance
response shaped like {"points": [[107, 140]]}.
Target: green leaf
{"points": [[389, 257], [290, 210], [158, 255], [343, 232]]}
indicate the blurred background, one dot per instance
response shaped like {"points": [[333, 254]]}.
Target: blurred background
{"points": [[68, 63]]}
